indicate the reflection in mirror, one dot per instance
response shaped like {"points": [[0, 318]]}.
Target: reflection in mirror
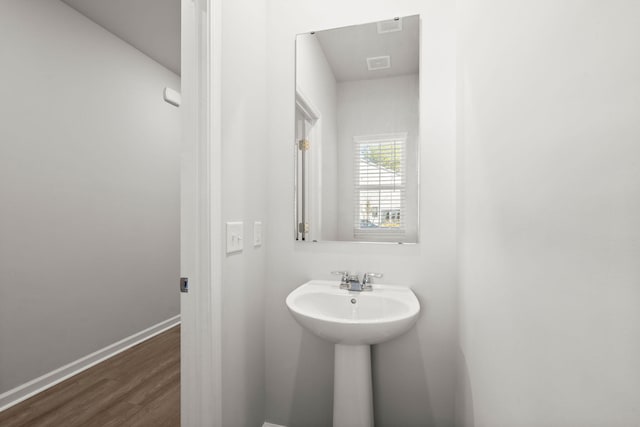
{"points": [[357, 140]]}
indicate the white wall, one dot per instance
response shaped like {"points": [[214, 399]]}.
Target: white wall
{"points": [[549, 214], [89, 190], [370, 107], [414, 374], [244, 198], [315, 80]]}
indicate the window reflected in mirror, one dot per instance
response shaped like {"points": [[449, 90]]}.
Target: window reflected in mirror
{"points": [[379, 186]]}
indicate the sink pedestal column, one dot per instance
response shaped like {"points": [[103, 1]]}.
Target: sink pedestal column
{"points": [[352, 388]]}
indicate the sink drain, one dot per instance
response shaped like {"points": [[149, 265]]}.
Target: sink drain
{"points": [[353, 301]]}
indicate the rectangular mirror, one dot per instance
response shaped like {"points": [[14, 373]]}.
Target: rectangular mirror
{"points": [[357, 133]]}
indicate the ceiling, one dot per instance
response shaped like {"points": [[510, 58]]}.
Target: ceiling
{"points": [[348, 48], [151, 26]]}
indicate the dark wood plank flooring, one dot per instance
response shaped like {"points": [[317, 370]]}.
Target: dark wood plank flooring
{"points": [[138, 387]]}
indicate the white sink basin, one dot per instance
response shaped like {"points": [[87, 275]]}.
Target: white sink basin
{"points": [[353, 321], [353, 318]]}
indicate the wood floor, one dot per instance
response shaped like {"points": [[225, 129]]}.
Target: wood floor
{"points": [[138, 387]]}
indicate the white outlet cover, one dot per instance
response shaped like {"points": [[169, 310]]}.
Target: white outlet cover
{"points": [[257, 233], [235, 237]]}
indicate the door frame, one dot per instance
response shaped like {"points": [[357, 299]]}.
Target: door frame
{"points": [[200, 219]]}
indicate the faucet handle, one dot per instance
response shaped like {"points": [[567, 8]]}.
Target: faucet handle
{"points": [[367, 278], [344, 281], [344, 274]]}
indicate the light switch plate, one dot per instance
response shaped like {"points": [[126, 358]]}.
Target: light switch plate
{"points": [[257, 233], [235, 237]]}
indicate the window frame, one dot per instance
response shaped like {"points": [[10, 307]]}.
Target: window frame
{"points": [[384, 233]]}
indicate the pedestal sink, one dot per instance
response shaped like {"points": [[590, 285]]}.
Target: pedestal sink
{"points": [[353, 321]]}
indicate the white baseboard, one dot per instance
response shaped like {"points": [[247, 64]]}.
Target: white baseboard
{"points": [[266, 424], [25, 391]]}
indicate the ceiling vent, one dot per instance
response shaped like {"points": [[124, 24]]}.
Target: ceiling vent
{"points": [[378, 63], [390, 26]]}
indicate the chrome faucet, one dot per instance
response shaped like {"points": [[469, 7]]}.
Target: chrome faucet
{"points": [[352, 282]]}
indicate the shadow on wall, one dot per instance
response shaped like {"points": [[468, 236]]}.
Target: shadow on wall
{"points": [[464, 416], [400, 392], [312, 400]]}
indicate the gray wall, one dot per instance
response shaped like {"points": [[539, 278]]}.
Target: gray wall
{"points": [[244, 198], [89, 190], [550, 214], [414, 375]]}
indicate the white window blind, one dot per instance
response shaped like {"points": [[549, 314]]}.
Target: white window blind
{"points": [[379, 184]]}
